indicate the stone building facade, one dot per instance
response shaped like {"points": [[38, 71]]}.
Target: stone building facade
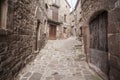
{"points": [[64, 16], [53, 21], [101, 32], [20, 28], [72, 24], [78, 18], [58, 16], [76, 23]]}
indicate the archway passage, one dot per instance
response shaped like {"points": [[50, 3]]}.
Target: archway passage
{"points": [[99, 42]]}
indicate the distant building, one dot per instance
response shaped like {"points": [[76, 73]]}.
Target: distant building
{"points": [[73, 27], [58, 18], [77, 19]]}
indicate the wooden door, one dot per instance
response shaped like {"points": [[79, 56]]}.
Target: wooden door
{"points": [[99, 42], [52, 32]]}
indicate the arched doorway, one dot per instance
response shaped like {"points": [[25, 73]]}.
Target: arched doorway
{"points": [[99, 42]]}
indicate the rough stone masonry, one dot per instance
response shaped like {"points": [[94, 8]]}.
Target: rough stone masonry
{"points": [[98, 15], [17, 38]]}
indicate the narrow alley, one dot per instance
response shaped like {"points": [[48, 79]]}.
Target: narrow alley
{"points": [[59, 39], [59, 60]]}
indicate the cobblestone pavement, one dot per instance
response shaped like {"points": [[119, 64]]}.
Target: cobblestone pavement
{"points": [[59, 60]]}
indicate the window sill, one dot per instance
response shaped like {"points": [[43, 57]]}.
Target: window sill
{"points": [[4, 32]]}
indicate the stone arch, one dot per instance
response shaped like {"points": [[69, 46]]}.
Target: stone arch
{"points": [[98, 24], [95, 14]]}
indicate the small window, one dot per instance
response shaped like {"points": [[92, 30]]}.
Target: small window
{"points": [[3, 13], [45, 21], [80, 12], [65, 18], [80, 19], [46, 6], [72, 26], [81, 31], [64, 30], [66, 6], [75, 30]]}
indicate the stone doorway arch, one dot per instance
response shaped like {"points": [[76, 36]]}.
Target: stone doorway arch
{"points": [[99, 42]]}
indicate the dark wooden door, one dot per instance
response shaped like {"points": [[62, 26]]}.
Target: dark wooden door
{"points": [[99, 42], [52, 32]]}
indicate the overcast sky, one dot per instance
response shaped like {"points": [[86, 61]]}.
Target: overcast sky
{"points": [[72, 3]]}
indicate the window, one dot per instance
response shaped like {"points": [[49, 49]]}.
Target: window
{"points": [[64, 30], [75, 30], [66, 6], [55, 13], [80, 12], [46, 6], [3, 13], [80, 19], [81, 31], [65, 18]]}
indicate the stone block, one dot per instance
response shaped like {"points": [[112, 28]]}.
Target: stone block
{"points": [[114, 62], [114, 27], [111, 2], [114, 44], [114, 74], [114, 21], [35, 76]]}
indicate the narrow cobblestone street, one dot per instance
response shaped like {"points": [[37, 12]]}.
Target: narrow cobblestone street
{"points": [[59, 60], [59, 39]]}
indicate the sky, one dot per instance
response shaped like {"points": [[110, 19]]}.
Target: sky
{"points": [[72, 3]]}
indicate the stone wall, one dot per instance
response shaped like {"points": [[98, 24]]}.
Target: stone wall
{"points": [[17, 40], [91, 9], [63, 9], [114, 41]]}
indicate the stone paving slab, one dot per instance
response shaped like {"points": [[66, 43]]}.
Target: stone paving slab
{"points": [[59, 60], [35, 76]]}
